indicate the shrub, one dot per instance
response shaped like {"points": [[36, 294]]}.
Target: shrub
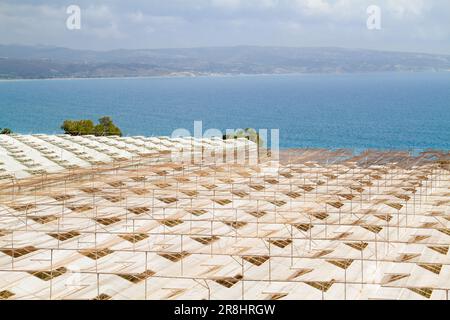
{"points": [[106, 127], [78, 127], [5, 131]]}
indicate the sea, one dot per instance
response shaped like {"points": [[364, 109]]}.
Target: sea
{"points": [[406, 111]]}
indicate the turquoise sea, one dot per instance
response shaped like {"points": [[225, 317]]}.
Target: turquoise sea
{"points": [[383, 111]]}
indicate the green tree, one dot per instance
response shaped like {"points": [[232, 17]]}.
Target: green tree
{"points": [[5, 131], [106, 127], [78, 127]]}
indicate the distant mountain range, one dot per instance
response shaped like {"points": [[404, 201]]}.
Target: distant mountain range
{"points": [[37, 62]]}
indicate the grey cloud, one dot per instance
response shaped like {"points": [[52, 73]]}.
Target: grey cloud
{"points": [[408, 25]]}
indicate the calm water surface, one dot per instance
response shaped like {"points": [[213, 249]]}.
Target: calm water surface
{"points": [[392, 110]]}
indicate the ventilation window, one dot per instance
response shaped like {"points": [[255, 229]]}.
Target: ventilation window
{"points": [[278, 203], [205, 240], [201, 173], [19, 252], [343, 264], [139, 210], [161, 173], [281, 243], [393, 277], [244, 174], [442, 250], [403, 197], [139, 191], [197, 212], [293, 195], [48, 275], [174, 257], [162, 185], [303, 226], [139, 179], [171, 222], [136, 277], [299, 273], [235, 224], [102, 296], [342, 235], [373, 229], [114, 199], [258, 213], [80, 209], [412, 190], [168, 200], [384, 217], [320, 182], [91, 190], [117, 184], [43, 219], [357, 189], [271, 181], [228, 282], [209, 186], [347, 196], [190, 193], [63, 197], [336, 204], [307, 188], [222, 202], [396, 206], [418, 238], [323, 286], [407, 257], [286, 175], [435, 268], [107, 221], [445, 231], [257, 187], [277, 296], [320, 215], [429, 225], [135, 237], [64, 235], [424, 292], [6, 294], [96, 254], [321, 253], [360, 246], [240, 194], [24, 207], [4, 233], [256, 260]]}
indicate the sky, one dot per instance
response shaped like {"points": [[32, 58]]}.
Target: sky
{"points": [[406, 25]]}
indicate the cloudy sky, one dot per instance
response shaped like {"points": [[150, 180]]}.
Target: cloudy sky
{"points": [[407, 25]]}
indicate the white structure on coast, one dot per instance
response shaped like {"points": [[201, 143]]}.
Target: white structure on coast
{"points": [[120, 220], [27, 155]]}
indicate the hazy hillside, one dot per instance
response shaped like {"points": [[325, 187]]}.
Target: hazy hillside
{"points": [[52, 62]]}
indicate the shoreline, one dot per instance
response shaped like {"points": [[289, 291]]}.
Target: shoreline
{"points": [[224, 75]]}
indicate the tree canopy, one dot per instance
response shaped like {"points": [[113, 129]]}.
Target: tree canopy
{"points": [[105, 127], [5, 131]]}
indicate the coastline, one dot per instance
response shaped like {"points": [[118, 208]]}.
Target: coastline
{"points": [[224, 75]]}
